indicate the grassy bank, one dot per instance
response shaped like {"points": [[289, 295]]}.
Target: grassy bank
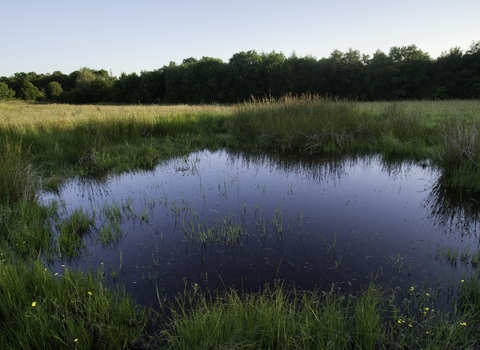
{"points": [[42, 145]]}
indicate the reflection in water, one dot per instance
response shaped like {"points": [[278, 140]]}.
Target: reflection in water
{"points": [[456, 211], [221, 220]]}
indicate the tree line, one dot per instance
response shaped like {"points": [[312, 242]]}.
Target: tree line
{"points": [[405, 73]]}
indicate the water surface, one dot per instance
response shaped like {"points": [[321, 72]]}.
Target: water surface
{"points": [[223, 220]]}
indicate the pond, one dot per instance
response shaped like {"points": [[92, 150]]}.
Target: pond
{"points": [[221, 220]]}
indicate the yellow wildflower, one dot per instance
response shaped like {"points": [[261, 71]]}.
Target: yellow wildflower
{"points": [[462, 281], [412, 289], [75, 340], [90, 293], [34, 304], [463, 324]]}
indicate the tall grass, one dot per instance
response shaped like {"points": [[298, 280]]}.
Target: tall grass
{"points": [[313, 124], [458, 152], [272, 319], [19, 178]]}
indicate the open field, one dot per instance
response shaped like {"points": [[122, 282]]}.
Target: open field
{"points": [[43, 145]]}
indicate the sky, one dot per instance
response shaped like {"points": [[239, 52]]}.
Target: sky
{"points": [[135, 35]]}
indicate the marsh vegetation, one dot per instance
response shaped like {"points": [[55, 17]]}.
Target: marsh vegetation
{"points": [[43, 147]]}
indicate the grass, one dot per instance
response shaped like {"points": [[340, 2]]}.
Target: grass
{"points": [[70, 310], [42, 145], [71, 232], [19, 179], [271, 319], [95, 141], [278, 318]]}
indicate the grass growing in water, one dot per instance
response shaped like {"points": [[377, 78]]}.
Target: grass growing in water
{"points": [[71, 232]]}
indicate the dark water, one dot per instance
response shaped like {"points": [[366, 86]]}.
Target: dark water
{"points": [[309, 222]]}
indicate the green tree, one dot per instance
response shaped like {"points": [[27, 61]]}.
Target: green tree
{"points": [[414, 72], [152, 87], [30, 92], [5, 92], [206, 78], [472, 63], [299, 74], [243, 75], [378, 76], [90, 86], [272, 79], [85, 78], [54, 90], [125, 89]]}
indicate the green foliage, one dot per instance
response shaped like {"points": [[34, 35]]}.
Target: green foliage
{"points": [[54, 90], [30, 92], [90, 86], [406, 73], [5, 92]]}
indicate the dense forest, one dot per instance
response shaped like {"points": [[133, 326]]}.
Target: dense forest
{"points": [[405, 73]]}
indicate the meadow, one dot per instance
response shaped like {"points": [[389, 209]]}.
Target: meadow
{"points": [[43, 145]]}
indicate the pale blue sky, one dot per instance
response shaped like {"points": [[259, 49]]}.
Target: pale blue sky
{"points": [[131, 36]]}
